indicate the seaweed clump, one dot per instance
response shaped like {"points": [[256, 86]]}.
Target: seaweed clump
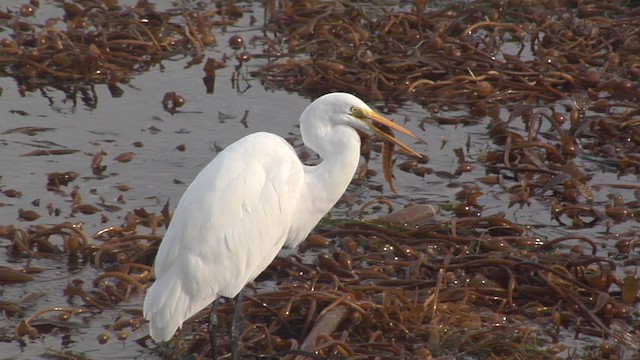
{"points": [[104, 42], [476, 286]]}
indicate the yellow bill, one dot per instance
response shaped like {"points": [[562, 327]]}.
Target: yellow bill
{"points": [[377, 120]]}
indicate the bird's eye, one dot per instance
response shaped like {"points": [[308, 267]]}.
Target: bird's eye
{"points": [[356, 112]]}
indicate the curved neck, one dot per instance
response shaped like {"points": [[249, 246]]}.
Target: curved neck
{"points": [[339, 149], [340, 153]]}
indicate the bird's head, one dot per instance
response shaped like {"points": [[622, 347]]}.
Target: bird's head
{"points": [[328, 127], [337, 109]]}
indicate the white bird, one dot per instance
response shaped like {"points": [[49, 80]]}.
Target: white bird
{"points": [[252, 199]]}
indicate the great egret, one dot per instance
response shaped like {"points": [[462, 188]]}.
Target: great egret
{"points": [[252, 199]]}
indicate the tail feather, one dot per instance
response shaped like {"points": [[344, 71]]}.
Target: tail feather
{"points": [[167, 306]]}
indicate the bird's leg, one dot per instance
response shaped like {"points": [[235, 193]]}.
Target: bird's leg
{"points": [[213, 327], [235, 327]]}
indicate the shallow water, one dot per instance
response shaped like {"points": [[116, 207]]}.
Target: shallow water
{"points": [[159, 172]]}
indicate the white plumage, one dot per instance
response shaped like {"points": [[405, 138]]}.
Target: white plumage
{"points": [[249, 201]]}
